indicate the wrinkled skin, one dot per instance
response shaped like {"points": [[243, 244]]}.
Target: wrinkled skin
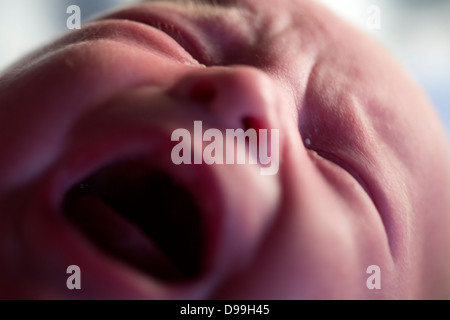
{"points": [[364, 174]]}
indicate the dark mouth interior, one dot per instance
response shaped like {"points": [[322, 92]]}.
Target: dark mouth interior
{"points": [[141, 217]]}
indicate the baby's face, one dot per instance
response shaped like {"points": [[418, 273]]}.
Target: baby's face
{"points": [[88, 177]]}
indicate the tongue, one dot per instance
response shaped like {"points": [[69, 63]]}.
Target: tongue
{"points": [[118, 237]]}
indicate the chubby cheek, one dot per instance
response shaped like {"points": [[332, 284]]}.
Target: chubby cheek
{"points": [[325, 239], [431, 202]]}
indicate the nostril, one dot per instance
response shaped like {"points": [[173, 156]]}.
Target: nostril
{"points": [[202, 92], [249, 123], [230, 94]]}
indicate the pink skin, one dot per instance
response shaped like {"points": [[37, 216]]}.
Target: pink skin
{"points": [[368, 187]]}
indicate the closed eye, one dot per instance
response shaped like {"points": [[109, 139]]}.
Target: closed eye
{"points": [[179, 32], [329, 156], [171, 22], [172, 32]]}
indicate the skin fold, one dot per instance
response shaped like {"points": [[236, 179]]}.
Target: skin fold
{"points": [[363, 179]]}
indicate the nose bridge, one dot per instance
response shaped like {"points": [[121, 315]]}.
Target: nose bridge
{"points": [[235, 95]]}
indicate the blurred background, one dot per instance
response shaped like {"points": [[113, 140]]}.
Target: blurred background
{"points": [[416, 31]]}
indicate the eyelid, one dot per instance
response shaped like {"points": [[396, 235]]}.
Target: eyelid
{"points": [[168, 19], [171, 31], [331, 157], [201, 3], [183, 38]]}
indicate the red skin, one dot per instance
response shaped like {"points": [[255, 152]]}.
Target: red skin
{"points": [[371, 186]]}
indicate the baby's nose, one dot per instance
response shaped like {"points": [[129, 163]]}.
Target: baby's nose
{"points": [[240, 96]]}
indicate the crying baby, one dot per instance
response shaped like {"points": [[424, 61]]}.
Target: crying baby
{"points": [[220, 150]]}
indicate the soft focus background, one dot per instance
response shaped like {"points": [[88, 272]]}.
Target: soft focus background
{"points": [[416, 31]]}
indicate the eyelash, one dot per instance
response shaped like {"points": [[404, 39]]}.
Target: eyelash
{"points": [[170, 30], [342, 164]]}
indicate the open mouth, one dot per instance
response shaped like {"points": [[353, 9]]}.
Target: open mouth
{"points": [[142, 217]]}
